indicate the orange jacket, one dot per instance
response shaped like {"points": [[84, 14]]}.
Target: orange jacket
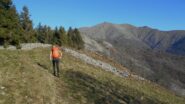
{"points": [[56, 52]]}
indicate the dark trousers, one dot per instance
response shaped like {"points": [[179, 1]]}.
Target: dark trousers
{"points": [[56, 67]]}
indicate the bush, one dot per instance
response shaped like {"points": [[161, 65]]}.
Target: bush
{"points": [[5, 45], [18, 46]]}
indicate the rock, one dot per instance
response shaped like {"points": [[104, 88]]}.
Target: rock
{"points": [[27, 46], [98, 63], [2, 87]]}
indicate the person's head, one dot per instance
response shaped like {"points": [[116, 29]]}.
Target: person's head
{"points": [[55, 45]]}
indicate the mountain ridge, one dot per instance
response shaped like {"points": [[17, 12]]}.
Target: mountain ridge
{"points": [[130, 25], [153, 38], [146, 51]]}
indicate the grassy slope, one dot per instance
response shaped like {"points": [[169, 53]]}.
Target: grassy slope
{"points": [[27, 78]]}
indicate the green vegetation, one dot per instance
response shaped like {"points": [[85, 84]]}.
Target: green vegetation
{"points": [[18, 28], [75, 39], [27, 26], [27, 78], [10, 28]]}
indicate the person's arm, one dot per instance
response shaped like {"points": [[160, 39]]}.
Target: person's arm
{"points": [[60, 54], [50, 56]]}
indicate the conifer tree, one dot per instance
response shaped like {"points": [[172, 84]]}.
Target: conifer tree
{"points": [[57, 37], [27, 25], [78, 39], [49, 34], [10, 28], [74, 38], [44, 34], [69, 36], [39, 33], [63, 35]]}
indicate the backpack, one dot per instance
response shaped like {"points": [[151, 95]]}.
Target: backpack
{"points": [[55, 52]]}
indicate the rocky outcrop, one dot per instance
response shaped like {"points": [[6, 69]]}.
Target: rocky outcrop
{"points": [[27, 46], [103, 65]]}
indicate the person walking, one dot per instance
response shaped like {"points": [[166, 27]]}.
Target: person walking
{"points": [[55, 56]]}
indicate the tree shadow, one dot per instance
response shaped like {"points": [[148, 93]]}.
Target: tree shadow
{"points": [[108, 92]]}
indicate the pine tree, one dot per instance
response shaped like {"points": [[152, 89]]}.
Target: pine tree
{"points": [[50, 33], [44, 34], [78, 39], [27, 25], [47, 32], [10, 28], [63, 36], [69, 37], [74, 38], [39, 33]]}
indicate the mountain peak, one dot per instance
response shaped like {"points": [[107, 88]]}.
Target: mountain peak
{"points": [[104, 24], [114, 24]]}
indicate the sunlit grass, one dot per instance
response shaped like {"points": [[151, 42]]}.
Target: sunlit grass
{"points": [[27, 78]]}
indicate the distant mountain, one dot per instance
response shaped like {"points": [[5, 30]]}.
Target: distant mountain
{"points": [[154, 54], [167, 41]]}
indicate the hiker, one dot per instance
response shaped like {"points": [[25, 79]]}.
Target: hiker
{"points": [[55, 56]]}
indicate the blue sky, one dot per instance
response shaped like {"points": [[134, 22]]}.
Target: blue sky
{"points": [[160, 14]]}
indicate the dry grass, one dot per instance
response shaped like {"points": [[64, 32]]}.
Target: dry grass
{"points": [[27, 79]]}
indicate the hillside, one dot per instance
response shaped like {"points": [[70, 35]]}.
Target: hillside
{"points": [[26, 78], [151, 53], [146, 37]]}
